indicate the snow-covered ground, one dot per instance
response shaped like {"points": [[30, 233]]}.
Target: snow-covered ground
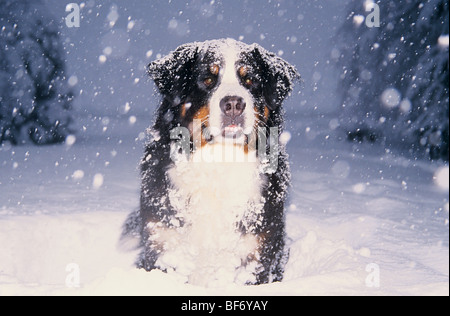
{"points": [[360, 222]]}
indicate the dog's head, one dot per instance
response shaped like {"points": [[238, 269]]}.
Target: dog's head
{"points": [[231, 87]]}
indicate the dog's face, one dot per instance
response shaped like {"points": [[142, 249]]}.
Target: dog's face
{"points": [[228, 87]]}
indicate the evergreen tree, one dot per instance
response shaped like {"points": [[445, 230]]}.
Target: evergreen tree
{"points": [[35, 100], [395, 78]]}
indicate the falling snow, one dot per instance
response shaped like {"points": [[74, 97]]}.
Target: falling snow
{"points": [[352, 206]]}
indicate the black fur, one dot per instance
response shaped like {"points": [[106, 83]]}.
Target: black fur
{"points": [[179, 78]]}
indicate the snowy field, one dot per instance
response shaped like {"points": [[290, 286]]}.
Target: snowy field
{"points": [[359, 222]]}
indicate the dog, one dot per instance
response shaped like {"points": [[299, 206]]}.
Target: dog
{"points": [[214, 176]]}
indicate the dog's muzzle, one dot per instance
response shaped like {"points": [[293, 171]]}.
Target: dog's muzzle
{"points": [[233, 120]]}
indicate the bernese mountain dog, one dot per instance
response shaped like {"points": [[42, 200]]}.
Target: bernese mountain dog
{"points": [[214, 174]]}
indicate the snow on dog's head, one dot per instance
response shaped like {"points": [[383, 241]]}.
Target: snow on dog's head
{"points": [[229, 87]]}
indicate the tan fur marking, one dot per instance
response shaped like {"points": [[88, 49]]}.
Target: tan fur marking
{"points": [[243, 71], [202, 114], [214, 69], [266, 113]]}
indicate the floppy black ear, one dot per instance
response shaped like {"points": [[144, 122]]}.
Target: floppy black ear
{"points": [[278, 78], [170, 72]]}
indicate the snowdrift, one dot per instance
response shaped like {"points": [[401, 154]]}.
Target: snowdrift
{"points": [[359, 223]]}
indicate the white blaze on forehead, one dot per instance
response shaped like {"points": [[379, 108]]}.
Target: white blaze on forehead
{"points": [[229, 85], [230, 56]]}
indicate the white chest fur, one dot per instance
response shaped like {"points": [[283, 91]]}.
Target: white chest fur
{"points": [[212, 193]]}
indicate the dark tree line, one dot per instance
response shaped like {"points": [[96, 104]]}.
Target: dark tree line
{"points": [[395, 78], [35, 100]]}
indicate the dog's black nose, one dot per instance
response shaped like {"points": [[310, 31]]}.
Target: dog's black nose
{"points": [[232, 106]]}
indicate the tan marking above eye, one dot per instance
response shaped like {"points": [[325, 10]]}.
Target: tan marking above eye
{"points": [[214, 69], [243, 71]]}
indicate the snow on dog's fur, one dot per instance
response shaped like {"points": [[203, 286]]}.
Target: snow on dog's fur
{"points": [[212, 211]]}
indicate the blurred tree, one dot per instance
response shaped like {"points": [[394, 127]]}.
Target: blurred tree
{"points": [[394, 79], [35, 100]]}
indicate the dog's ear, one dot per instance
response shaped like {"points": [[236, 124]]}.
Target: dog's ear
{"points": [[172, 71], [278, 76]]}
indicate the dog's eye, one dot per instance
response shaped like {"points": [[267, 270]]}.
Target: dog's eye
{"points": [[208, 81], [248, 80]]}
